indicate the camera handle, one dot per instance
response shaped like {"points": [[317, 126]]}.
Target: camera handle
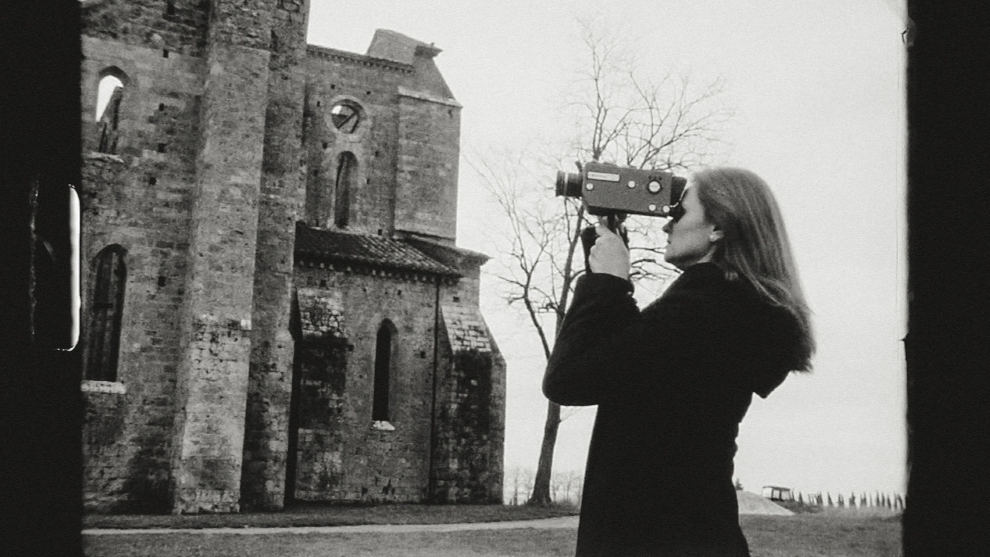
{"points": [[589, 236]]}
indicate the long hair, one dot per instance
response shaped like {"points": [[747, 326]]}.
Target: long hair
{"points": [[754, 245]]}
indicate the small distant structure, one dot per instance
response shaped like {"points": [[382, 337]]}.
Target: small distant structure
{"points": [[776, 493]]}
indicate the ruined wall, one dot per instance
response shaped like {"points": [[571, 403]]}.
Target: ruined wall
{"points": [[371, 85], [470, 409], [138, 199], [342, 455], [176, 25], [407, 145], [226, 138], [470, 430], [429, 151], [426, 183], [213, 373], [128, 423], [279, 206]]}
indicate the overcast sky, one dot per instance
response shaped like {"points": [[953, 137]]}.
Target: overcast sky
{"points": [[818, 87]]}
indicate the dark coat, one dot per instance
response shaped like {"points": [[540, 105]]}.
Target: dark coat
{"points": [[672, 382]]}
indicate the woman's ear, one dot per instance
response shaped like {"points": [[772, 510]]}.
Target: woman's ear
{"points": [[716, 235]]}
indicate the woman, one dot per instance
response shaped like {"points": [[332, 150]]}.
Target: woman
{"points": [[673, 381]]}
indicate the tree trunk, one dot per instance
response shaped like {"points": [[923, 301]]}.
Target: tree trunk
{"points": [[541, 486]]}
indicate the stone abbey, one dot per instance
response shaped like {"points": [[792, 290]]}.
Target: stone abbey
{"points": [[274, 305]]}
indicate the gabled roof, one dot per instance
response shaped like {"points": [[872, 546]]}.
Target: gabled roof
{"points": [[365, 249]]}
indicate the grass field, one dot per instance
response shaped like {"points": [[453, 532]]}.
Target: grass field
{"points": [[832, 534], [824, 534]]}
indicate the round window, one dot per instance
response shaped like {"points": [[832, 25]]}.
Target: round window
{"points": [[346, 116]]}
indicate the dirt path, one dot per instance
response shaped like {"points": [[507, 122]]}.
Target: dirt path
{"points": [[544, 523]]}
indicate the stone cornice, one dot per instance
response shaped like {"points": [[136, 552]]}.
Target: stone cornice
{"points": [[367, 269], [357, 59], [423, 96]]}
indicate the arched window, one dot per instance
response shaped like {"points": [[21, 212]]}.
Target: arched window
{"points": [[109, 95], [384, 352], [346, 169], [105, 310]]}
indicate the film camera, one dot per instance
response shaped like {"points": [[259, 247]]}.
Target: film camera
{"points": [[607, 189], [613, 191]]}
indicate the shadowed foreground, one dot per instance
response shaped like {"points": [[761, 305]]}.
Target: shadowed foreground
{"points": [[836, 535]]}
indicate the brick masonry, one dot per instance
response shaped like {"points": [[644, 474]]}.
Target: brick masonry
{"points": [[246, 368]]}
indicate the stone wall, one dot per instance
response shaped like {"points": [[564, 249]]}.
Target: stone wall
{"points": [[279, 206], [426, 173], [213, 373], [470, 431], [138, 199], [343, 455], [371, 85], [225, 138], [469, 428], [178, 26]]}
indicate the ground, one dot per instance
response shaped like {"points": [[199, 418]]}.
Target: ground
{"points": [[522, 532]]}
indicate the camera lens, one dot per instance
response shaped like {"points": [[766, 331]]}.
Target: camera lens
{"points": [[568, 184]]}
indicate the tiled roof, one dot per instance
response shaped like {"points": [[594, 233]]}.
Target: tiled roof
{"points": [[452, 256], [365, 249]]}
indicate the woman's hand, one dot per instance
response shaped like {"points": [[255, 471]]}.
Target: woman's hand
{"points": [[609, 255]]}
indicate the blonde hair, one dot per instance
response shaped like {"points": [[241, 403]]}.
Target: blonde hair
{"points": [[754, 245]]}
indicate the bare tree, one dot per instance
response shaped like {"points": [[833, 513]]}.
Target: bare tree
{"points": [[515, 481], [538, 271], [571, 481], [556, 486], [527, 482], [619, 117]]}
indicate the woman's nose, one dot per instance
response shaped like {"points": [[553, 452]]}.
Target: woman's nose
{"points": [[666, 228]]}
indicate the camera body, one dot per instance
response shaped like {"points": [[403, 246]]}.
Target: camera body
{"points": [[608, 189]]}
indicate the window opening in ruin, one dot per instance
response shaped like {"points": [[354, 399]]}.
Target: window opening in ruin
{"points": [[106, 306], [108, 97], [384, 349], [345, 116], [346, 168]]}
